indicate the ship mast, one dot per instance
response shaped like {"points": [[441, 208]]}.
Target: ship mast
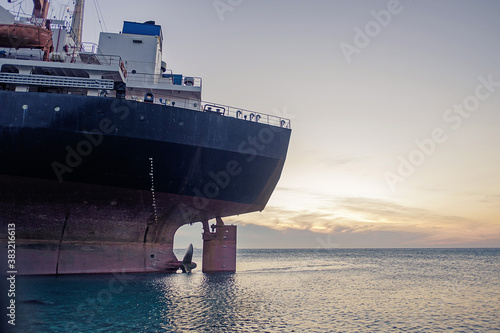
{"points": [[77, 24]]}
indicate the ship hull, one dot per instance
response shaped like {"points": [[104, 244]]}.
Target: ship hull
{"points": [[96, 185]]}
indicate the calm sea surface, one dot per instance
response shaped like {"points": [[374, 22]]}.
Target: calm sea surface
{"points": [[337, 290]]}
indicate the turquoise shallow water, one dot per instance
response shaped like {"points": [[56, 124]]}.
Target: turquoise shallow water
{"points": [[337, 290]]}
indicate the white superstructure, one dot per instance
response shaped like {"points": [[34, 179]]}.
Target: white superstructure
{"points": [[124, 65], [140, 45]]}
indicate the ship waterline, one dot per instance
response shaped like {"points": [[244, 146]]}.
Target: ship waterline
{"points": [[68, 228]]}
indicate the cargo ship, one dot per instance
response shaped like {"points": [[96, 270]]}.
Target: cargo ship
{"points": [[105, 153]]}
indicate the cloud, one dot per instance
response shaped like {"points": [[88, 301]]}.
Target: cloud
{"points": [[368, 216], [252, 236], [318, 158], [494, 200], [333, 162]]}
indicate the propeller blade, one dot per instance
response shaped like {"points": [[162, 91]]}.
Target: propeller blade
{"points": [[188, 257], [187, 263]]}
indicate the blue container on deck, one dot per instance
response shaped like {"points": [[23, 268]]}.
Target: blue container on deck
{"points": [[148, 28], [177, 79]]}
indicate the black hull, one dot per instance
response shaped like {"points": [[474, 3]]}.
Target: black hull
{"points": [[114, 176]]}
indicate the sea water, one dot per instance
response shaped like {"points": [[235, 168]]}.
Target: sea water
{"points": [[316, 290]]}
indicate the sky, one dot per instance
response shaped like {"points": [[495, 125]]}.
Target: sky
{"points": [[395, 110]]}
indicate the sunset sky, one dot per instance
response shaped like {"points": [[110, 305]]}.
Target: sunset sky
{"points": [[395, 109]]}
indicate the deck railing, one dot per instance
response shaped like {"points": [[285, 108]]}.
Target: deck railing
{"points": [[99, 59], [248, 115], [167, 78], [219, 109]]}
